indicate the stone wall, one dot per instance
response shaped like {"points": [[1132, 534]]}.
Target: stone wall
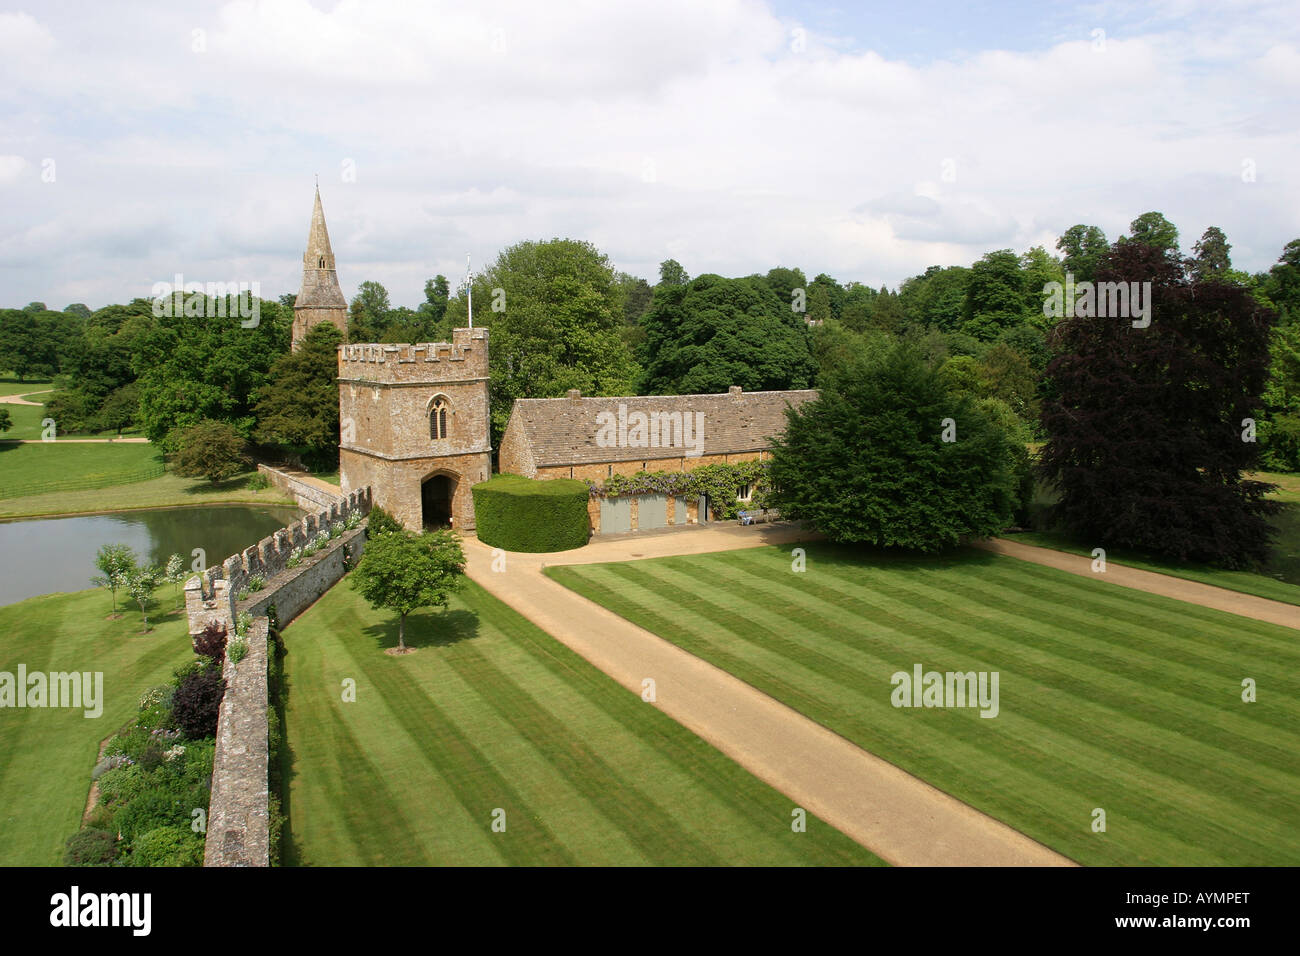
{"points": [[308, 496], [239, 813], [269, 558], [294, 590]]}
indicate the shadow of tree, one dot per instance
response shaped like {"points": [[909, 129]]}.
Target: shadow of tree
{"points": [[427, 629]]}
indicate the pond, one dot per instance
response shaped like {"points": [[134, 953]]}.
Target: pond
{"points": [[44, 555]]}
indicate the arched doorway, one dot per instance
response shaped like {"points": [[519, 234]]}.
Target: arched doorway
{"points": [[435, 500]]}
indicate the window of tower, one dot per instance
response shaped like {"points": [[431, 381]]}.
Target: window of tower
{"points": [[438, 419]]}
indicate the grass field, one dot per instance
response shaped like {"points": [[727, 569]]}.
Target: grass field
{"points": [[46, 755], [1109, 697], [166, 490], [57, 466], [491, 713]]}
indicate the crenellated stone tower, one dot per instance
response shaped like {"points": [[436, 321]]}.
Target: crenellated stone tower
{"points": [[414, 426], [320, 299]]}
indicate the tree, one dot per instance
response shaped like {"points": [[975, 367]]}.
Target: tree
{"points": [[1037, 269], [714, 333], [299, 406], [115, 563], [819, 305], [1154, 230], [559, 325], [868, 461], [637, 297], [368, 314], [140, 584], [1083, 248], [403, 572], [1211, 259], [211, 450], [119, 410], [1283, 283], [784, 281], [437, 292], [995, 296], [1145, 425], [6, 422], [937, 297], [174, 574], [205, 366], [671, 273], [859, 303]]}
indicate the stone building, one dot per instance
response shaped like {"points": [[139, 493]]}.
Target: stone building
{"points": [[413, 422], [320, 299], [595, 438]]}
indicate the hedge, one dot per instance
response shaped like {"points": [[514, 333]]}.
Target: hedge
{"points": [[526, 514]]}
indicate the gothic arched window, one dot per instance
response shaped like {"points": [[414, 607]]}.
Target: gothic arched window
{"points": [[438, 419], [322, 263]]}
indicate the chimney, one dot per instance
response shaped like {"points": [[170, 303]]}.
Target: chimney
{"points": [[575, 393]]}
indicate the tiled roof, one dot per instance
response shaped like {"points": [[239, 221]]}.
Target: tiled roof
{"points": [[576, 431]]}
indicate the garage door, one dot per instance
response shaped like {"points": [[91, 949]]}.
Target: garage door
{"points": [[652, 512], [679, 515], [615, 515]]}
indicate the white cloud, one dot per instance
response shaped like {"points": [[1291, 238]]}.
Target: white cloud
{"points": [[684, 128]]}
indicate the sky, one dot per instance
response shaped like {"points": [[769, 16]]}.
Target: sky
{"points": [[868, 141]]}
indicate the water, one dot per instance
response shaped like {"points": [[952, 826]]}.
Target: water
{"points": [[44, 555]]}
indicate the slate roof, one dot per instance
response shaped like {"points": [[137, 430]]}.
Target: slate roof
{"points": [[563, 431]]}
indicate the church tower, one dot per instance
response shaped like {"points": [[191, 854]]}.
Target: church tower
{"points": [[320, 299]]}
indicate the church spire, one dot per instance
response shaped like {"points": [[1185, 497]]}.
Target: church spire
{"points": [[321, 299], [318, 239]]}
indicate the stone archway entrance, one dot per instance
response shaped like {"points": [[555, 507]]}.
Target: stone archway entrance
{"points": [[435, 500]]}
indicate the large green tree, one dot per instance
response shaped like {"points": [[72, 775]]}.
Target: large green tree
{"points": [[209, 449], [298, 408], [206, 366], [714, 333], [1082, 248], [995, 295], [890, 454], [555, 312], [1147, 438]]}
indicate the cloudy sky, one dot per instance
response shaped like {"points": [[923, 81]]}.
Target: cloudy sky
{"points": [[865, 140]]}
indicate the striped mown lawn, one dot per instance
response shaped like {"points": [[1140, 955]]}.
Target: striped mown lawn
{"points": [[493, 714], [1109, 698], [47, 755]]}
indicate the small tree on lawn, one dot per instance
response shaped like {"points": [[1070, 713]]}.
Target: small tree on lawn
{"points": [[401, 572], [115, 562], [6, 422], [175, 574], [140, 584], [211, 450]]}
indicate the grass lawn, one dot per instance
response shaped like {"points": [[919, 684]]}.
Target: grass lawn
{"points": [[46, 755], [27, 419], [491, 713], [56, 466], [167, 490], [1109, 697], [11, 386], [1280, 580]]}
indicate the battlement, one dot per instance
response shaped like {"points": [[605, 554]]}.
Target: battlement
{"points": [[464, 357], [213, 593]]}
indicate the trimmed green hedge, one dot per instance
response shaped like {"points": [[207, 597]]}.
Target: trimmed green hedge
{"points": [[526, 514]]}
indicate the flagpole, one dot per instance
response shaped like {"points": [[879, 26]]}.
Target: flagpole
{"points": [[469, 286]]}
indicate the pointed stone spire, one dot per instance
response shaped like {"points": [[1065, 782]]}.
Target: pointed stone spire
{"points": [[318, 253], [320, 299]]}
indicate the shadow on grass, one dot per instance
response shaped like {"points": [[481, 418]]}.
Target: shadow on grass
{"points": [[427, 629]]}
